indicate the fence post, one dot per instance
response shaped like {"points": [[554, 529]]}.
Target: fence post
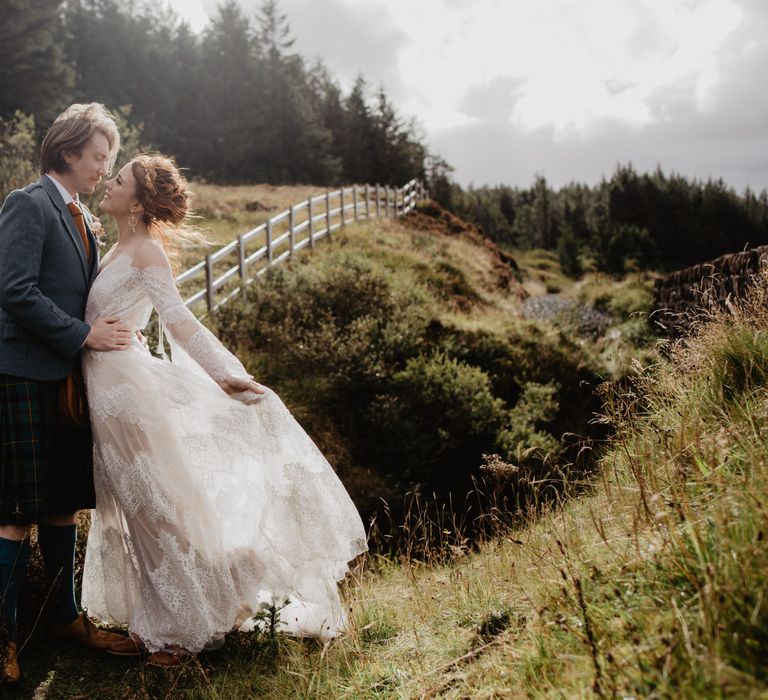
{"points": [[241, 262], [367, 201], [354, 199], [311, 215], [291, 232], [209, 291], [386, 201], [378, 201], [270, 252], [328, 214], [341, 205]]}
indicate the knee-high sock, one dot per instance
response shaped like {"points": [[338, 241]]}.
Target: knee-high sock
{"points": [[14, 555], [57, 545]]}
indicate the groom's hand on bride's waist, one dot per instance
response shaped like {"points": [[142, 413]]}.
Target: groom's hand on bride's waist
{"points": [[109, 334]]}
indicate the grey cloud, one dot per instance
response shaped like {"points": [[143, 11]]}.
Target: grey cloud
{"points": [[493, 100], [650, 37], [487, 153], [727, 138]]}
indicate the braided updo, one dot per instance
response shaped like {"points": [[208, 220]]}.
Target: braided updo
{"points": [[161, 189], [163, 192]]}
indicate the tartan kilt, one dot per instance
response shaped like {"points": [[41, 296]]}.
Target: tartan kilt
{"points": [[46, 466]]}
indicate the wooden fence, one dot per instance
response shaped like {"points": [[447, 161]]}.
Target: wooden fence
{"points": [[227, 272]]}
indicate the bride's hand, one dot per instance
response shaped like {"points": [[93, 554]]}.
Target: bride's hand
{"points": [[234, 385]]}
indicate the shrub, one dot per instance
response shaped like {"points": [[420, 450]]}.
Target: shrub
{"points": [[342, 321], [18, 153], [395, 395], [522, 440], [618, 244], [451, 284], [436, 420]]}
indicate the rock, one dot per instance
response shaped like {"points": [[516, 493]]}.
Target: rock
{"points": [[561, 310]]}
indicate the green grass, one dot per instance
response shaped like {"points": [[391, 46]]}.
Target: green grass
{"points": [[649, 583], [543, 274]]}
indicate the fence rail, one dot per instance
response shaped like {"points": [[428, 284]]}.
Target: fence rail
{"points": [[227, 272]]}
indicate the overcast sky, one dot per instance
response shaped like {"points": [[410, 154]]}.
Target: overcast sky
{"points": [[505, 89]]}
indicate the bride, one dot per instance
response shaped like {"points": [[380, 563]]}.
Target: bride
{"points": [[212, 501]]}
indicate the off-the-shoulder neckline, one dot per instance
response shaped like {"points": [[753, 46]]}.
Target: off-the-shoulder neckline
{"points": [[110, 259]]}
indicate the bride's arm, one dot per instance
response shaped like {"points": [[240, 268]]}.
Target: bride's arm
{"points": [[181, 325]]}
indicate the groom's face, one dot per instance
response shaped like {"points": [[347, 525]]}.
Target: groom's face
{"points": [[87, 168]]}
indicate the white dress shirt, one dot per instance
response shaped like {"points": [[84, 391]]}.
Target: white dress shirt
{"points": [[65, 195]]}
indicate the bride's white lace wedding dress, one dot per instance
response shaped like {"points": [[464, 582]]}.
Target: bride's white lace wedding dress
{"points": [[207, 507]]}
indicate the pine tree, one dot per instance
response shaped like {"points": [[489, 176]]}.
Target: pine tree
{"points": [[296, 143], [232, 111], [356, 138], [543, 237], [568, 250], [35, 77]]}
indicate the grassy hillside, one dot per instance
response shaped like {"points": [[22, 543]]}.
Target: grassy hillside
{"points": [[626, 580], [652, 585], [405, 349]]}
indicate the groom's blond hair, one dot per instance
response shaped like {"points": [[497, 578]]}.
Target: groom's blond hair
{"points": [[71, 132]]}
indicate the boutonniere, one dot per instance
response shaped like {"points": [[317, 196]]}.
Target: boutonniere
{"points": [[98, 232]]}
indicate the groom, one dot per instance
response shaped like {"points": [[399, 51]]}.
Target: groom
{"points": [[48, 260]]}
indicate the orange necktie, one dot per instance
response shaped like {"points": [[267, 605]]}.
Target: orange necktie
{"points": [[77, 216]]}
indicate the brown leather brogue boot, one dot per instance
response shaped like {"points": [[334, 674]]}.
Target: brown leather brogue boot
{"points": [[83, 631], [11, 671], [166, 659], [127, 646]]}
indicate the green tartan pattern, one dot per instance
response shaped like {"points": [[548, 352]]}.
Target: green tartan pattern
{"points": [[45, 467]]}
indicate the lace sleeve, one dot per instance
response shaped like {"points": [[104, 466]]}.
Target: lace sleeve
{"points": [[178, 322]]}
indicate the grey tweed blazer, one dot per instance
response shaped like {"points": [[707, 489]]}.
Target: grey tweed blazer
{"points": [[44, 283]]}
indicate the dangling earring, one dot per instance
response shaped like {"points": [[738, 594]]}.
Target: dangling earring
{"points": [[132, 221]]}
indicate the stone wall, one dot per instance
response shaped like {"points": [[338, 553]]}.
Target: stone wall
{"points": [[678, 295]]}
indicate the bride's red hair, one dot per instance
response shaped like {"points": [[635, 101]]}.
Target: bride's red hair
{"points": [[163, 192]]}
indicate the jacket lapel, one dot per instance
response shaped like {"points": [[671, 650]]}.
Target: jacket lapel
{"points": [[66, 220], [94, 262]]}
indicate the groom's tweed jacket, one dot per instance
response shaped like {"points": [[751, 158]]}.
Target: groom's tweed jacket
{"points": [[44, 283]]}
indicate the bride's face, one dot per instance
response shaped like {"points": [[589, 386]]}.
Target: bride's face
{"points": [[120, 196]]}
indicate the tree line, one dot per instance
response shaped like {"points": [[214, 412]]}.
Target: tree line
{"points": [[628, 221], [235, 103]]}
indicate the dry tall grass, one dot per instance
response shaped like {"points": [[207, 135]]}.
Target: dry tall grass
{"points": [[653, 586], [651, 583]]}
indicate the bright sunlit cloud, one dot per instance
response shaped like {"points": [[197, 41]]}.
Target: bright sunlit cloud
{"points": [[608, 73], [575, 62], [192, 11]]}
